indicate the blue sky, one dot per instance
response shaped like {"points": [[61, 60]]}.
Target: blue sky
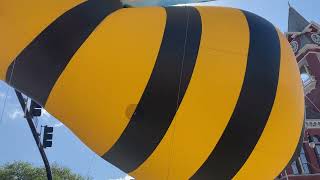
{"points": [[16, 139]]}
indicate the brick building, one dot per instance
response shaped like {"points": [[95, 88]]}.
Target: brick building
{"points": [[304, 37]]}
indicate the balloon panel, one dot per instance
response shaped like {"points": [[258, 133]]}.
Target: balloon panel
{"points": [[162, 93]]}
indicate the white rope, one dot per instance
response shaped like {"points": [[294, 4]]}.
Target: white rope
{"points": [[312, 103], [7, 91], [4, 104], [178, 96]]}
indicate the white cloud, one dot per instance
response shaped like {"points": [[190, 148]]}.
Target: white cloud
{"points": [[45, 113], [127, 177], [58, 125], [2, 95], [17, 113]]}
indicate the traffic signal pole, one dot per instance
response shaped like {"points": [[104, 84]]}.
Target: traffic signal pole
{"points": [[35, 134]]}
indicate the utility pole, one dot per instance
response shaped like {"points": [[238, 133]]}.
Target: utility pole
{"points": [[36, 137]]}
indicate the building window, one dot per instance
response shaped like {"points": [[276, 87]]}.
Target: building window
{"points": [[304, 162], [306, 79], [303, 69], [294, 167]]}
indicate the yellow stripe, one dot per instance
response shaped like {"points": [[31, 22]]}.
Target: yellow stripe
{"points": [[99, 88], [22, 21], [282, 132], [209, 100]]}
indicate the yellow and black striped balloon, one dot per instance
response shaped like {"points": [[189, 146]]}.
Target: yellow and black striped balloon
{"points": [[162, 93]]}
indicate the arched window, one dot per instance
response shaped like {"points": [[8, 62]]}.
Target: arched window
{"points": [[304, 163], [294, 168]]}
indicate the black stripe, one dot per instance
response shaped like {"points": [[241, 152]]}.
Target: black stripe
{"points": [[160, 101], [39, 65], [253, 106]]}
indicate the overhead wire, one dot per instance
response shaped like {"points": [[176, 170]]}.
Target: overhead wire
{"points": [[312, 103]]}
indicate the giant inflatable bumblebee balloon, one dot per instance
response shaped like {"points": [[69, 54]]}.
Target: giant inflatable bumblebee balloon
{"points": [[160, 92]]}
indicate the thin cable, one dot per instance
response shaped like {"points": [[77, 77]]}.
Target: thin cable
{"points": [[90, 165], [312, 103], [6, 94], [4, 104], [178, 95]]}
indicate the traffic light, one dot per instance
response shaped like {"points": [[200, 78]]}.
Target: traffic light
{"points": [[47, 136], [35, 109]]}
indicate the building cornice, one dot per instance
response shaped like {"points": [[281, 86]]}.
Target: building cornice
{"points": [[307, 49], [312, 123]]}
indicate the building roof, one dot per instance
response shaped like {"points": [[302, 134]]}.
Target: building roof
{"points": [[296, 22]]}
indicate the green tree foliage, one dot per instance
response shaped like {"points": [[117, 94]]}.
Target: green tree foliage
{"points": [[25, 171]]}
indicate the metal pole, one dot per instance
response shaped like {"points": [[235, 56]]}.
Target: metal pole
{"points": [[285, 171], [35, 135]]}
